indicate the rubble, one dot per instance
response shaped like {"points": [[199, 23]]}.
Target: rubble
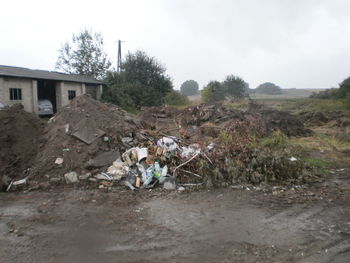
{"points": [[83, 146], [205, 145], [71, 178]]}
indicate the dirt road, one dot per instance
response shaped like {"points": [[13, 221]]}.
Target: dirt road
{"points": [[220, 225]]}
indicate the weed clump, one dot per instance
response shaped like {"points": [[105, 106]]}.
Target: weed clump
{"points": [[244, 157]]}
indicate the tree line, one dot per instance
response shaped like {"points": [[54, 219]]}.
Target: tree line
{"points": [[143, 80]]}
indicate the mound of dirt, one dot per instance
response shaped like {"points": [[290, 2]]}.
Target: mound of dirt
{"points": [[158, 117], [318, 118], [281, 120], [20, 134], [87, 135], [262, 120]]}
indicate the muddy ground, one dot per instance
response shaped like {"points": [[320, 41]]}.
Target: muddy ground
{"points": [[234, 224]]}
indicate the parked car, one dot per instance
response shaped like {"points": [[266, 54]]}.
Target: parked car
{"points": [[2, 105], [45, 107]]}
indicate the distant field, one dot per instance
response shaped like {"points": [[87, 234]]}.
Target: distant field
{"points": [[195, 98], [287, 94]]}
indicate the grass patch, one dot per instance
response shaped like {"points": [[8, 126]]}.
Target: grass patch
{"points": [[236, 104], [225, 138], [315, 105], [318, 166], [325, 146], [277, 140]]}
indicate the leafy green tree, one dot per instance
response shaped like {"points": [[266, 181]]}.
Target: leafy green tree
{"points": [[235, 87], [213, 92], [176, 98], [344, 88], [142, 82], [268, 88], [189, 88], [84, 55], [117, 91]]}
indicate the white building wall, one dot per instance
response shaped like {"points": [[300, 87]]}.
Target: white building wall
{"points": [[30, 92], [77, 87], [26, 85]]}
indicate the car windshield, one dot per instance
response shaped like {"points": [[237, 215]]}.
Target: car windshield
{"points": [[45, 103]]}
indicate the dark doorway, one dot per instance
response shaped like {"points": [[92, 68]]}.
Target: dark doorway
{"points": [[47, 91], [91, 90]]}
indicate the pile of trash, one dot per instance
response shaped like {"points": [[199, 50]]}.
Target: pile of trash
{"points": [[92, 142], [20, 134], [153, 162]]}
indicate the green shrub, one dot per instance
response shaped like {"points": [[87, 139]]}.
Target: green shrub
{"points": [[213, 92], [278, 140], [176, 98], [347, 101]]}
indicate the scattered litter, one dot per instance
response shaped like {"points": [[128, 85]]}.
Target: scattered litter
{"points": [[142, 153], [66, 128], [199, 184], [128, 184], [118, 169], [103, 176], [9, 186], [16, 184], [71, 178], [191, 173], [191, 150], [55, 180], [170, 183], [168, 142], [84, 176], [293, 159], [59, 161], [177, 167], [211, 146], [20, 182], [181, 188], [127, 140]]}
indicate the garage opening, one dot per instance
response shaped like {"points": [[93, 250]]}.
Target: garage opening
{"points": [[91, 90], [46, 92]]}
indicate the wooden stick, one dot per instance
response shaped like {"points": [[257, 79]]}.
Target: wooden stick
{"points": [[191, 173], [194, 156]]}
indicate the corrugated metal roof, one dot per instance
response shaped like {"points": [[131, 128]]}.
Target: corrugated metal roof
{"points": [[10, 71]]}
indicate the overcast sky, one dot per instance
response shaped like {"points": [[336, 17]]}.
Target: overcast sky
{"points": [[293, 43]]}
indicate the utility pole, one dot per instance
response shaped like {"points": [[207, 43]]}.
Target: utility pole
{"points": [[119, 56]]}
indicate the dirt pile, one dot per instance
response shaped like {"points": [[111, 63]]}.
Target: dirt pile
{"points": [[280, 120], [20, 134], [158, 118], [318, 118], [212, 119], [85, 135], [213, 145]]}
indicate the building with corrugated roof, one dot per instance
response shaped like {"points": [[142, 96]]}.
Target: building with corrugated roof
{"points": [[28, 86]]}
